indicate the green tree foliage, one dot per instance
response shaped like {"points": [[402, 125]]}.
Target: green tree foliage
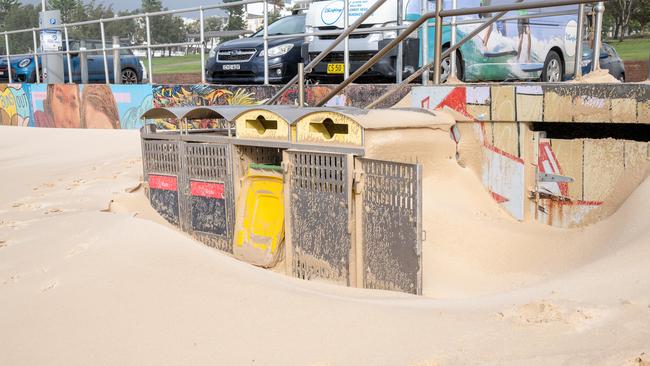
{"points": [[20, 17], [236, 18], [5, 7], [164, 28]]}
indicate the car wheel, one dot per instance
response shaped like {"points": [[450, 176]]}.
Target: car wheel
{"points": [[553, 70], [445, 68], [129, 76]]}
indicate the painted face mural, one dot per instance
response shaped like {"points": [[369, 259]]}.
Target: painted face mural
{"points": [[63, 105], [98, 109]]}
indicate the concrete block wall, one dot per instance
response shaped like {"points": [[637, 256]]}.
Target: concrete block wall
{"points": [[496, 140]]}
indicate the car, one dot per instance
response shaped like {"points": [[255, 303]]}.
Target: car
{"points": [[609, 60], [327, 16], [23, 69], [241, 61]]}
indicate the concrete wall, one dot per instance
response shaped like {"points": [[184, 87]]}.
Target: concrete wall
{"points": [[495, 140], [120, 106]]}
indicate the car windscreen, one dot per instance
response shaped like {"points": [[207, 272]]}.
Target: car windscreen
{"points": [[286, 25]]}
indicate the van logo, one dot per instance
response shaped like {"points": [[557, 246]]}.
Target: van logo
{"points": [[332, 12]]}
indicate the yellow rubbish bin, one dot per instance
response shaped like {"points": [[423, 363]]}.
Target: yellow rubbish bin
{"points": [[259, 224]]}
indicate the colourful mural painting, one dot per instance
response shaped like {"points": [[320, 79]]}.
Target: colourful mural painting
{"points": [[14, 105], [90, 106], [120, 106]]}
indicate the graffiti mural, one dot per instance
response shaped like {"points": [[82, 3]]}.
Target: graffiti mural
{"points": [[201, 94], [90, 106], [14, 105]]}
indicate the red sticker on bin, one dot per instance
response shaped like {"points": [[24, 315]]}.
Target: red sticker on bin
{"points": [[165, 182], [206, 189]]}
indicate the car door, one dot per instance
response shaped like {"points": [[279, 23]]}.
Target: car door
{"points": [[95, 63]]}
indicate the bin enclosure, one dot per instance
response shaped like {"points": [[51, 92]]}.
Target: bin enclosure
{"points": [[343, 192]]}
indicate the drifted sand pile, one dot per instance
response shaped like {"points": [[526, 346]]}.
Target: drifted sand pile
{"points": [[89, 274]]}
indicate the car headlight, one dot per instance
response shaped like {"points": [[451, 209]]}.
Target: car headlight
{"points": [[24, 62], [309, 29], [278, 50], [213, 53]]}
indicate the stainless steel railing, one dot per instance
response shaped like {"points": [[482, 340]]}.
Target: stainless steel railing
{"points": [[439, 14]]}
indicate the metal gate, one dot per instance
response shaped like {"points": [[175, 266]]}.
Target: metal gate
{"points": [[161, 167], [320, 202], [391, 218], [207, 198]]}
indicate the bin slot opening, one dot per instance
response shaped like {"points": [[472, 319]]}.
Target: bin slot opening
{"points": [[328, 128], [262, 124]]}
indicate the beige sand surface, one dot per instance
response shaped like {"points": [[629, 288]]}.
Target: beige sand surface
{"points": [[85, 284]]}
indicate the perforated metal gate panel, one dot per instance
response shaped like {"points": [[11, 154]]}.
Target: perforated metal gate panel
{"points": [[207, 198], [391, 221], [320, 236], [161, 167]]}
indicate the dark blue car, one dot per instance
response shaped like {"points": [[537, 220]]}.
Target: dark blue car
{"points": [[241, 61], [23, 69]]}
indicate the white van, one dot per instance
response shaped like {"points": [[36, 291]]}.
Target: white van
{"points": [[328, 15]]}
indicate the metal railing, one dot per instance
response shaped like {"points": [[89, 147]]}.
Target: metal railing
{"points": [[201, 43], [148, 46], [342, 36], [438, 14]]}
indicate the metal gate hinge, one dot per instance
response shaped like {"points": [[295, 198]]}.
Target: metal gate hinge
{"points": [[357, 182]]}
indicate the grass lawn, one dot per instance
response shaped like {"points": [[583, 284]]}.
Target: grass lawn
{"points": [[632, 49], [175, 64]]}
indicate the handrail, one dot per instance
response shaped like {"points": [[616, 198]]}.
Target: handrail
{"points": [[326, 51], [444, 13], [446, 53]]}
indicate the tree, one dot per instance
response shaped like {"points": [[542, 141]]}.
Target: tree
{"points": [[5, 7], [21, 17], [622, 11], [642, 14], [236, 18], [71, 10], [164, 28]]}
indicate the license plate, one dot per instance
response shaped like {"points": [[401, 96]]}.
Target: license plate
{"points": [[335, 68], [231, 67]]}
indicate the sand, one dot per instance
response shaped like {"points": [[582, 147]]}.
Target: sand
{"points": [[89, 274], [597, 77]]}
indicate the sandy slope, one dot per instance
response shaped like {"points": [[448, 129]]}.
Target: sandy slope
{"points": [[79, 285]]}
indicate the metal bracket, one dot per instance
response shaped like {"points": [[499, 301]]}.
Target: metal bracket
{"points": [[546, 177]]}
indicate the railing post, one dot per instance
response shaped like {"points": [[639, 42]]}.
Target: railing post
{"points": [[101, 28], [117, 62], [453, 72], [36, 62], [83, 62], [595, 62], [146, 18], [577, 68], [301, 85], [266, 42], [202, 25], [346, 41], [399, 62], [438, 44], [425, 43], [67, 54], [8, 57]]}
